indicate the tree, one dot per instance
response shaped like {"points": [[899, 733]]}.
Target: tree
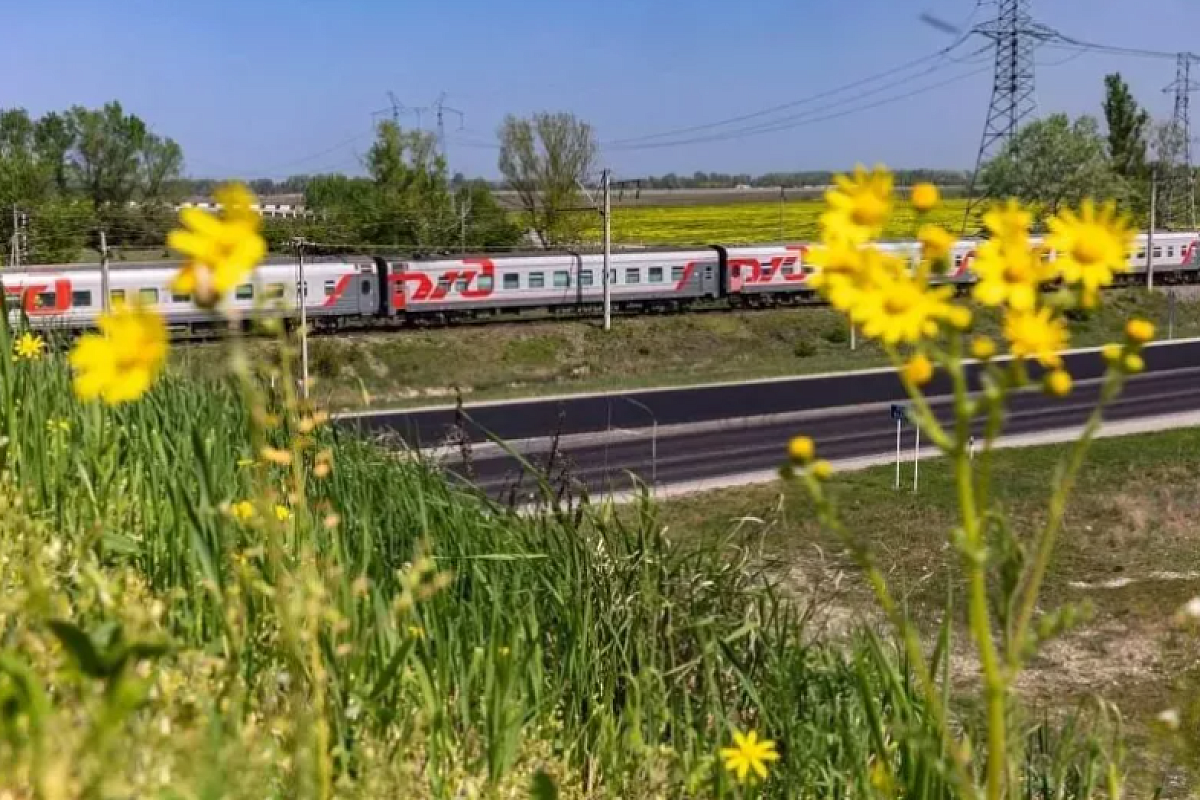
{"points": [[411, 197], [483, 223], [116, 159], [1127, 123], [1054, 162], [544, 159]]}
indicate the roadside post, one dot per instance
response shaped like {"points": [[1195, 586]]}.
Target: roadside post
{"points": [[916, 457], [1171, 314], [898, 413]]}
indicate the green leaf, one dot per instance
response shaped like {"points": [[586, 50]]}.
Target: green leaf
{"points": [[81, 648], [543, 787]]}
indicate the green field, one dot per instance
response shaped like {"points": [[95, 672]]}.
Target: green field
{"points": [[748, 223], [415, 367]]}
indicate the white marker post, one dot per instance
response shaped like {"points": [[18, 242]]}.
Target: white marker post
{"points": [[916, 457], [898, 415]]}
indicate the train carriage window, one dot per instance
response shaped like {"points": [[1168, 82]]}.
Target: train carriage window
{"points": [[677, 273], [83, 298], [1158, 252], [562, 279], [708, 272], [180, 298], [462, 284], [485, 283], [512, 280], [116, 296], [656, 274], [44, 300], [612, 276], [537, 280], [585, 277], [366, 286], [148, 296], [633, 275], [1141, 256], [330, 288], [1170, 250], [275, 291], [244, 292]]}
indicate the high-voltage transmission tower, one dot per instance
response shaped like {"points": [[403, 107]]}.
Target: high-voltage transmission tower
{"points": [[1179, 185], [439, 106], [1015, 34]]}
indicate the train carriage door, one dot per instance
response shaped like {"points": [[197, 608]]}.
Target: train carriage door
{"points": [[364, 286]]}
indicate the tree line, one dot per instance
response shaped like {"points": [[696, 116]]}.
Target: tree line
{"points": [[68, 175]]}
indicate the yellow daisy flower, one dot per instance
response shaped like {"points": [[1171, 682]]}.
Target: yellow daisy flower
{"points": [[1036, 334], [243, 510], [919, 370], [898, 308], [1009, 274], [859, 206], [749, 753], [1058, 383], [1139, 331], [822, 470], [802, 449], [925, 197], [1009, 223], [936, 242], [1091, 246], [120, 363], [220, 251], [29, 347], [282, 513]]}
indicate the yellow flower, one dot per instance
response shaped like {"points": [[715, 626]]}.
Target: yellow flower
{"points": [[859, 206], [1009, 272], [936, 242], [802, 449], [282, 513], [982, 348], [220, 251], [120, 363], [925, 197], [919, 370], [276, 456], [1058, 383], [898, 308], [1090, 246], [1009, 223], [959, 317], [749, 753], [242, 510], [1111, 352], [822, 470], [29, 347], [1133, 363], [1036, 334], [1139, 331]]}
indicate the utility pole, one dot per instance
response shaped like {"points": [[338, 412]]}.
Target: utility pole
{"points": [[605, 184], [1180, 183], [1150, 229], [105, 292], [781, 213], [440, 107], [1015, 35], [302, 290]]}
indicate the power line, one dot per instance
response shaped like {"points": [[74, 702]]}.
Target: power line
{"points": [[791, 103], [800, 120]]}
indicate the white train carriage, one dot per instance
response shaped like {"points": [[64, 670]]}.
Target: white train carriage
{"points": [[71, 297], [562, 281]]}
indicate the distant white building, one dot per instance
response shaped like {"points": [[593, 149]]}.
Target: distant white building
{"points": [[284, 206]]}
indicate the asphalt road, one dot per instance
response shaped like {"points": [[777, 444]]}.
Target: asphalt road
{"points": [[579, 414]]}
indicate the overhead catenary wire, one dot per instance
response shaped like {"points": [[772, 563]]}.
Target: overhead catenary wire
{"points": [[791, 123], [791, 103]]}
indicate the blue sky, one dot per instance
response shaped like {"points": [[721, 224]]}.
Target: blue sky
{"points": [[276, 87]]}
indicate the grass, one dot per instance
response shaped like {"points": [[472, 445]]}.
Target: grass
{"points": [[1128, 559], [388, 635], [750, 223], [415, 367]]}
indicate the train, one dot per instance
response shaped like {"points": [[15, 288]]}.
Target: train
{"points": [[360, 291]]}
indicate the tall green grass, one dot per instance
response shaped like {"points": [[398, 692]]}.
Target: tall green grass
{"points": [[397, 636]]}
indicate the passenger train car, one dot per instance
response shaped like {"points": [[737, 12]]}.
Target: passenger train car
{"points": [[369, 290]]}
